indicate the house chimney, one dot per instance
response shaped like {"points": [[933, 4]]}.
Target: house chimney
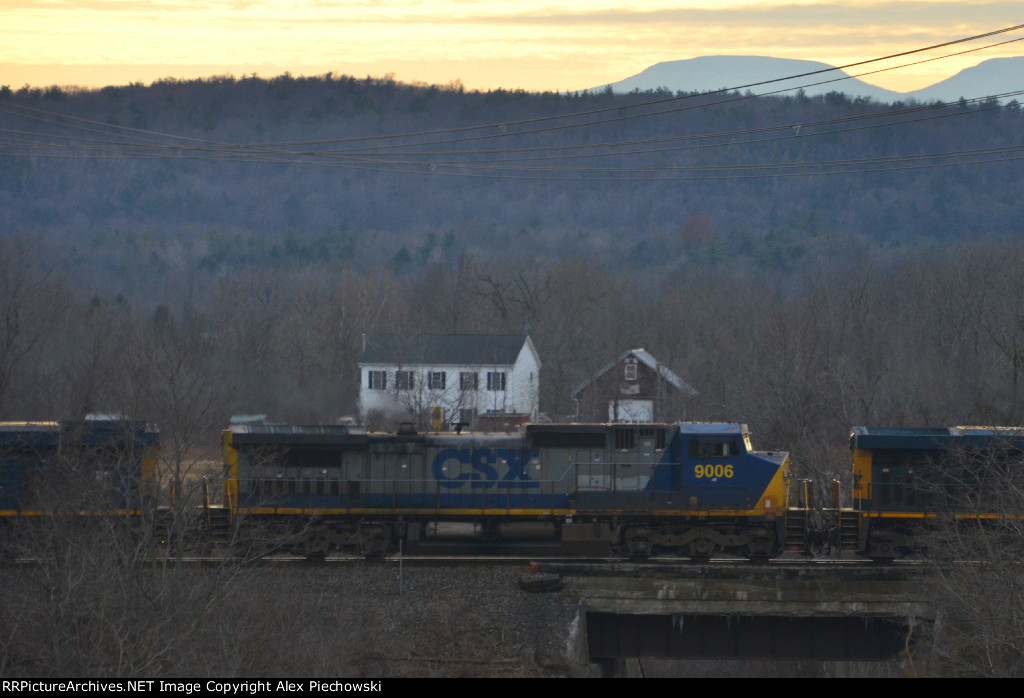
{"points": [[364, 342]]}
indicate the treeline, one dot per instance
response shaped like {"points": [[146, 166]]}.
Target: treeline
{"points": [[250, 171], [864, 336]]}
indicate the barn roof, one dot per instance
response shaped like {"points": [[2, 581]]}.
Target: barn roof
{"points": [[444, 349], [644, 357]]}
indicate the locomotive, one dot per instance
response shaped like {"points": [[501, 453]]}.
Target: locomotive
{"points": [[626, 489], [102, 464], [635, 490], [906, 478]]}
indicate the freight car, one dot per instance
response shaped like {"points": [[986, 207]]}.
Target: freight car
{"points": [[629, 489], [905, 479], [91, 466]]}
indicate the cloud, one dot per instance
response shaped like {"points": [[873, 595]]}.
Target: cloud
{"points": [[571, 42]]}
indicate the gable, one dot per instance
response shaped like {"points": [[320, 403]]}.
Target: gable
{"points": [[657, 370]]}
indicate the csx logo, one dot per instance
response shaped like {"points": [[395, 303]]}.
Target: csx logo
{"points": [[503, 468]]}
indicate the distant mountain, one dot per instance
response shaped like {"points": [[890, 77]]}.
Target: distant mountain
{"points": [[992, 77], [709, 73], [760, 73]]}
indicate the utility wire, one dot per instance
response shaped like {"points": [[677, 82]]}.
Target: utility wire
{"points": [[504, 128], [108, 141]]}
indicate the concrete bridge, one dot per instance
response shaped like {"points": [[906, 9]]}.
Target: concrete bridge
{"points": [[800, 610]]}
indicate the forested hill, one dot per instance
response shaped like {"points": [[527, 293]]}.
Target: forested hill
{"points": [[247, 171]]}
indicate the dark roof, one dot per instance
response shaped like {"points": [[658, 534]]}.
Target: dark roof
{"points": [[289, 435], [444, 349], [89, 433], [932, 438]]}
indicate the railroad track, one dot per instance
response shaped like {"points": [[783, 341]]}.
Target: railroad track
{"points": [[575, 564], [581, 565]]}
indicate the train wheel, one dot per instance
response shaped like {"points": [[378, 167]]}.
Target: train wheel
{"points": [[883, 551], [700, 550], [636, 544], [759, 550], [316, 547], [374, 541]]}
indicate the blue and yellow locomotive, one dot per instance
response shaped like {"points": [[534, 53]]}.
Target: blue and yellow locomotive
{"points": [[631, 489], [906, 477], [637, 490], [97, 465]]}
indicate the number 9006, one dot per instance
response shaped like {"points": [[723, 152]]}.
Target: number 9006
{"points": [[712, 470]]}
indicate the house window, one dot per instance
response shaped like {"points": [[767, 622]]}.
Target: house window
{"points": [[377, 380], [403, 380], [468, 381], [631, 371], [496, 380], [437, 380]]}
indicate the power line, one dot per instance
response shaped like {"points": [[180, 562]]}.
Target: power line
{"points": [[109, 141], [504, 127]]}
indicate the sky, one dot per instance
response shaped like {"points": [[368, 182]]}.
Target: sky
{"points": [[555, 45]]}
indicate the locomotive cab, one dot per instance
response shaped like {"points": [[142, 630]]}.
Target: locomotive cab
{"points": [[720, 470]]}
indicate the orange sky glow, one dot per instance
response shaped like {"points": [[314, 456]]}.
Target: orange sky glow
{"points": [[527, 44]]}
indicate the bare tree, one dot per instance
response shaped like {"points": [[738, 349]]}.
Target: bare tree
{"points": [[33, 304], [176, 385], [975, 553]]}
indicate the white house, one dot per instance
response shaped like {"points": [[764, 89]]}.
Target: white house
{"points": [[444, 380]]}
